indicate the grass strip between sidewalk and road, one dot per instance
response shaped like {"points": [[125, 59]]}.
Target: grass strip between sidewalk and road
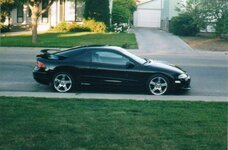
{"points": [[42, 123], [68, 39]]}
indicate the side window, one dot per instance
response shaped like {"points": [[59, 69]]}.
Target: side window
{"points": [[109, 58], [84, 57]]}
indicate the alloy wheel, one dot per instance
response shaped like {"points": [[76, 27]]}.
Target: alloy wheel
{"points": [[158, 85], [62, 82]]}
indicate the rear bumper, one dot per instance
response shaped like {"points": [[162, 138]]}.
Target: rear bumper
{"points": [[41, 76]]}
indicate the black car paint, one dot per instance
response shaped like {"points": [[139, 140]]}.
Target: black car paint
{"points": [[95, 74]]}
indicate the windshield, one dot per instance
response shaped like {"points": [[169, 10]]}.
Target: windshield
{"points": [[134, 57]]}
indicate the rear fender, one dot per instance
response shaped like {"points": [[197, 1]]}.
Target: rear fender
{"points": [[67, 69]]}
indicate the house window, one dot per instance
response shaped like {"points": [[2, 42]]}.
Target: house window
{"points": [[80, 7], [69, 10], [20, 13], [44, 15]]}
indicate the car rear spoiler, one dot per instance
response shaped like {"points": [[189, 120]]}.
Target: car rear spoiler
{"points": [[46, 51]]}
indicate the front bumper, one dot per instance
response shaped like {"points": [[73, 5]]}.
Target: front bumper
{"points": [[183, 84]]}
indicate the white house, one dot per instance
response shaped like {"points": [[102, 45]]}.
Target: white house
{"points": [[155, 13], [61, 10]]}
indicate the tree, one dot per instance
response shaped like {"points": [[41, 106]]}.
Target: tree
{"points": [[207, 13], [97, 10], [36, 13], [217, 15], [123, 11], [194, 8], [6, 7]]}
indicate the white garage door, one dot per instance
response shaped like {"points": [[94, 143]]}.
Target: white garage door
{"points": [[147, 18]]}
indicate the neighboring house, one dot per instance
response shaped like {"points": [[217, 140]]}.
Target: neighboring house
{"points": [[155, 13], [61, 10]]}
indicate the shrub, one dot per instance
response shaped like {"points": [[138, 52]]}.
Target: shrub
{"points": [[94, 26], [88, 25], [183, 25], [221, 26], [120, 28], [4, 28], [74, 27], [61, 27], [70, 27], [122, 11]]}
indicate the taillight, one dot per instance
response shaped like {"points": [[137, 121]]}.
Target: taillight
{"points": [[40, 64]]}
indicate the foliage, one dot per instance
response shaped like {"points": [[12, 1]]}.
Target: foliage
{"points": [[120, 14], [6, 7], [221, 17], [207, 13], [97, 10], [70, 27], [123, 11], [221, 26], [4, 28], [193, 8], [74, 27], [61, 27], [88, 25], [94, 26], [120, 28], [183, 25]]}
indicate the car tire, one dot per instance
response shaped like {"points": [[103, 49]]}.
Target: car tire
{"points": [[63, 82], [158, 85]]}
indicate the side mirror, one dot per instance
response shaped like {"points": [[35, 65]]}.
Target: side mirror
{"points": [[130, 65]]}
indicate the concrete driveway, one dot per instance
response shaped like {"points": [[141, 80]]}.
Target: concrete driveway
{"points": [[158, 41]]}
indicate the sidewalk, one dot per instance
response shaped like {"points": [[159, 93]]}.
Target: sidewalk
{"points": [[114, 96], [15, 33]]}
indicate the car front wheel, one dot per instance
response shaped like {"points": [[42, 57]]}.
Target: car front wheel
{"points": [[158, 85], [62, 82]]}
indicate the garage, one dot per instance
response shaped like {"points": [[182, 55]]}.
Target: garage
{"points": [[148, 14]]}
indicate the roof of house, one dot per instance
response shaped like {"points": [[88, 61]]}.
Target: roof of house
{"points": [[144, 1]]}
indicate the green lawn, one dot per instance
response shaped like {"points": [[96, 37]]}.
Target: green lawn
{"points": [[71, 39], [38, 123]]}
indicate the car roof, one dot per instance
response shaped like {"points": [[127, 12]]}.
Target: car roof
{"points": [[79, 49]]}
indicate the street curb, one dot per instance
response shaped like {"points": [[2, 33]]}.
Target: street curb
{"points": [[114, 96]]}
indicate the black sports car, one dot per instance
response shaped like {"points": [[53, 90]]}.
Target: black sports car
{"points": [[109, 66]]}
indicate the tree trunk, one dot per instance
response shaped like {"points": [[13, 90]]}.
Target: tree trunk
{"points": [[34, 29], [35, 16]]}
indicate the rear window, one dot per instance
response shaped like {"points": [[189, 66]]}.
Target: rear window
{"points": [[69, 52], [82, 57]]}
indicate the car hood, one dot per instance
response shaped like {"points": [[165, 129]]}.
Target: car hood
{"points": [[165, 66]]}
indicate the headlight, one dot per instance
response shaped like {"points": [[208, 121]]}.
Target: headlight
{"points": [[182, 76]]}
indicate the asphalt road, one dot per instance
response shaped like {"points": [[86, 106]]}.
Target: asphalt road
{"points": [[209, 70]]}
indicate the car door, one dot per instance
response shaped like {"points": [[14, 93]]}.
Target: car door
{"points": [[109, 68], [82, 67]]}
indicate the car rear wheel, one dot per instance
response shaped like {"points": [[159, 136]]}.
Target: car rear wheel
{"points": [[158, 85], [63, 82]]}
